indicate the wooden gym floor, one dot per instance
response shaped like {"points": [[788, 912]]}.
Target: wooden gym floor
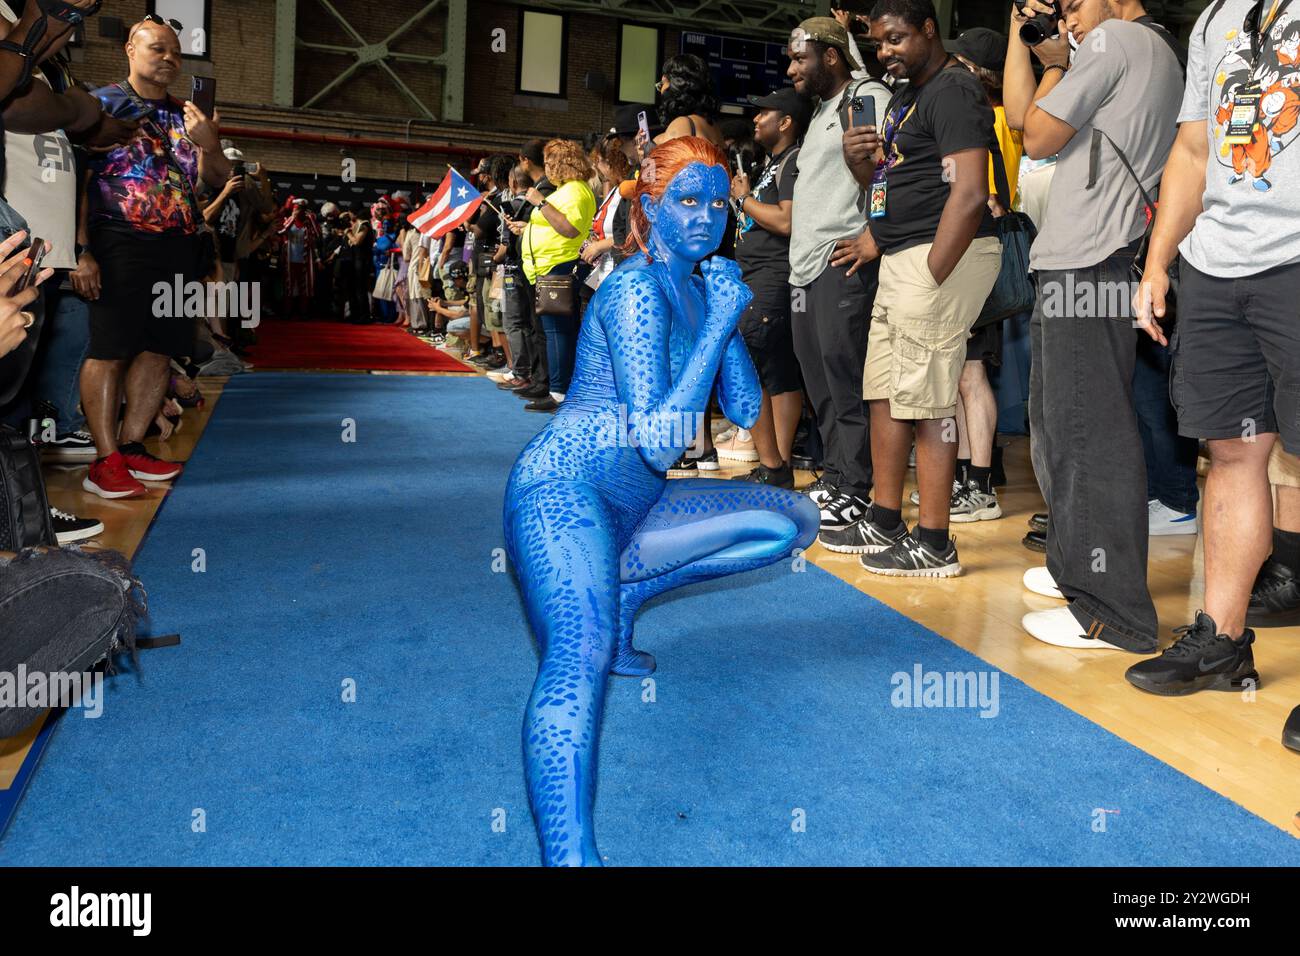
{"points": [[1229, 743]]}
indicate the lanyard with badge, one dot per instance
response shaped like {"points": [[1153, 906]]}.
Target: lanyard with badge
{"points": [[879, 183], [1245, 102]]}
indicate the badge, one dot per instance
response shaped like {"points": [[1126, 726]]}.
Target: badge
{"points": [[1244, 116], [877, 208]]}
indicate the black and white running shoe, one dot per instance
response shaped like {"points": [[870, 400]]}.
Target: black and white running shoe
{"points": [[863, 536], [841, 510], [70, 446], [910, 558], [973, 503], [821, 490], [69, 528]]}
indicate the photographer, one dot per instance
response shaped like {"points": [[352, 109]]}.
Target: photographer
{"points": [[1228, 205], [144, 229], [1120, 93]]}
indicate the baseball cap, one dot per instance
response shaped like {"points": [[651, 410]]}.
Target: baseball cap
{"points": [[787, 101], [457, 267], [625, 123], [234, 155], [984, 47], [829, 31]]}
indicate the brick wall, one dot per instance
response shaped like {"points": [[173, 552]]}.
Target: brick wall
{"points": [[369, 104]]}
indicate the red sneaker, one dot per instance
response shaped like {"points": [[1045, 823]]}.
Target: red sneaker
{"points": [[109, 478], [145, 466]]}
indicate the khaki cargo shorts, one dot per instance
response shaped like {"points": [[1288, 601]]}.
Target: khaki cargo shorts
{"points": [[1283, 467], [917, 345]]}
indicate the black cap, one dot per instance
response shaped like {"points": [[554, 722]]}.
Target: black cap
{"points": [[625, 123], [984, 47], [787, 101], [458, 268]]}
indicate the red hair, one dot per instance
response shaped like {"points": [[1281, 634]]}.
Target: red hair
{"points": [[668, 160]]}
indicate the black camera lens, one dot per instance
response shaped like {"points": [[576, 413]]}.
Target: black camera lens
{"points": [[1038, 29]]}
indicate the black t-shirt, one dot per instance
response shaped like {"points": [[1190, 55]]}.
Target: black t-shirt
{"points": [[945, 115], [489, 223], [764, 257]]}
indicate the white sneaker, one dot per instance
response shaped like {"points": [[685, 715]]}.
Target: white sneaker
{"points": [[915, 497], [1060, 628], [1162, 520], [501, 374], [1040, 581]]}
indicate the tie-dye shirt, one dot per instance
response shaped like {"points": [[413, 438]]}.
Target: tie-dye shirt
{"points": [[136, 186]]}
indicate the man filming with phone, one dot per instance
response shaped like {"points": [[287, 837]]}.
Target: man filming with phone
{"points": [[1109, 113], [925, 171], [143, 220]]}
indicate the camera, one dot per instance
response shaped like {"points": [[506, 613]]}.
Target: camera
{"points": [[1041, 26]]}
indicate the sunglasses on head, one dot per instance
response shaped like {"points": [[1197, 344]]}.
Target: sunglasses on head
{"points": [[169, 21]]}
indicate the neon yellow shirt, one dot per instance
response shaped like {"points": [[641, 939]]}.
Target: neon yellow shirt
{"points": [[1012, 143], [541, 246]]}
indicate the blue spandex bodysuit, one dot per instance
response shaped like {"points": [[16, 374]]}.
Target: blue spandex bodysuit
{"points": [[592, 526]]}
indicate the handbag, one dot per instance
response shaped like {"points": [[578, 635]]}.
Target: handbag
{"points": [[1140, 257], [1013, 292], [552, 294], [25, 520], [497, 289], [386, 283]]}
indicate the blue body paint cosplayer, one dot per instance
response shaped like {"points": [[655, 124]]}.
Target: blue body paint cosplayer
{"points": [[593, 527]]}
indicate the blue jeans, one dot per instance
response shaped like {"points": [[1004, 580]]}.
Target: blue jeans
{"points": [[561, 340], [63, 348], [1170, 458]]}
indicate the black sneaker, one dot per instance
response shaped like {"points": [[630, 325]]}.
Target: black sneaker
{"points": [[1038, 522], [1275, 598], [861, 537], [1201, 659], [782, 477], [69, 528], [70, 446], [841, 510], [707, 461], [821, 490], [910, 558], [1291, 731]]}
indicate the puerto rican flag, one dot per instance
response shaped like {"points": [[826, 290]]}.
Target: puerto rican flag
{"points": [[451, 204]]}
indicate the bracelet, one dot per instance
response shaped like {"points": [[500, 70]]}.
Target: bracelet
{"points": [[1053, 66]]}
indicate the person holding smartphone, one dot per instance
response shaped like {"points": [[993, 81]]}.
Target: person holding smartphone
{"points": [[143, 220]]}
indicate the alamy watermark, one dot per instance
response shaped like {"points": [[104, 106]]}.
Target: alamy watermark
{"points": [[922, 688], [40, 689], [672, 429], [202, 300], [1086, 299]]}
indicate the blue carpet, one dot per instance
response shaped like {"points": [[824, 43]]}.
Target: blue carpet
{"points": [[771, 737]]}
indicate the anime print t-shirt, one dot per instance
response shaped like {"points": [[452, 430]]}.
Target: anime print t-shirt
{"points": [[1252, 188], [136, 186]]}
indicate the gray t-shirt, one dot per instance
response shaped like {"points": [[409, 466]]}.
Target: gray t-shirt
{"points": [[1252, 190], [1126, 82], [828, 203]]}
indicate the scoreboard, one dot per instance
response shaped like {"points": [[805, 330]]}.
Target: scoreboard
{"points": [[739, 66]]}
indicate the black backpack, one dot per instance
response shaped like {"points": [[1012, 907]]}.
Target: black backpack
{"points": [[25, 520]]}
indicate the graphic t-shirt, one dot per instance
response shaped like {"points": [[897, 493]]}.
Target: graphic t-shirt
{"points": [[947, 114], [228, 224], [764, 258], [1252, 189], [135, 186]]}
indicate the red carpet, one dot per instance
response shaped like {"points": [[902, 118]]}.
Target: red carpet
{"points": [[338, 345]]}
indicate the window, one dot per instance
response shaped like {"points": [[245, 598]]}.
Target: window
{"points": [[638, 63], [542, 49], [195, 17]]}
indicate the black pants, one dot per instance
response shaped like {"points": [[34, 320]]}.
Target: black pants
{"points": [[528, 329], [1087, 454], [830, 319]]}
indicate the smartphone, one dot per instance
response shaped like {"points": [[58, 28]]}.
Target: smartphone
{"points": [[32, 264], [203, 94], [252, 169], [740, 161], [860, 114], [644, 125]]}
